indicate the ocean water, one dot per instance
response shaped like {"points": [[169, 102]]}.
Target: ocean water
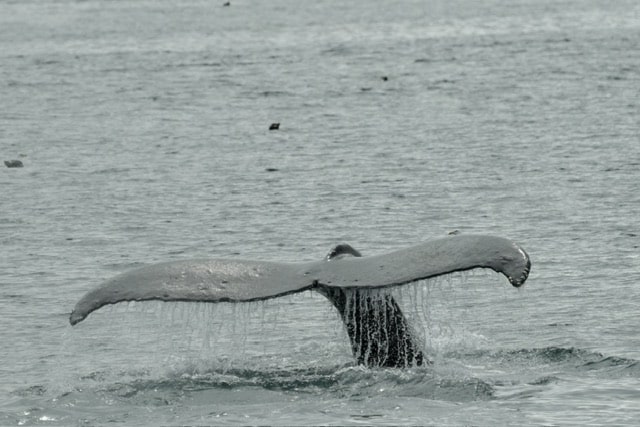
{"points": [[143, 130]]}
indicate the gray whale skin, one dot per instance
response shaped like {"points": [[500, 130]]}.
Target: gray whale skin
{"points": [[379, 333]]}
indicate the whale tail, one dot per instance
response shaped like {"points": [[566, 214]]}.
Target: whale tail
{"points": [[379, 333]]}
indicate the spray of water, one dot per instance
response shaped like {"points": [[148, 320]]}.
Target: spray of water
{"points": [[293, 331]]}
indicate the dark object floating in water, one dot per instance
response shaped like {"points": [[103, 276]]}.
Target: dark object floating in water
{"points": [[274, 126], [226, 4], [272, 169], [13, 163], [379, 333], [385, 78]]}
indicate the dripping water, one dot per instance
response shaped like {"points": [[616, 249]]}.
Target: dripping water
{"points": [[302, 330]]}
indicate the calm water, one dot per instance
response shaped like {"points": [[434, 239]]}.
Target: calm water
{"points": [[143, 129]]}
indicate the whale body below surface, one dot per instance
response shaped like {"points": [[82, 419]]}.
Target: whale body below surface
{"points": [[379, 333]]}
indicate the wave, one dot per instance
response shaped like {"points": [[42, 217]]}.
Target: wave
{"points": [[454, 380], [337, 382], [580, 358]]}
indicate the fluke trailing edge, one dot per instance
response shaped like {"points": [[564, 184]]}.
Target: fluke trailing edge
{"points": [[379, 333]]}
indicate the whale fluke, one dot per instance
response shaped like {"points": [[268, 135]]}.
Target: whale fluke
{"points": [[343, 276], [206, 280]]}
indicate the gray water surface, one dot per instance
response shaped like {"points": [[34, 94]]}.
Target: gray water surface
{"points": [[143, 130]]}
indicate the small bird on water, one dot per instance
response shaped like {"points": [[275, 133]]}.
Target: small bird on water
{"points": [[13, 163]]}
